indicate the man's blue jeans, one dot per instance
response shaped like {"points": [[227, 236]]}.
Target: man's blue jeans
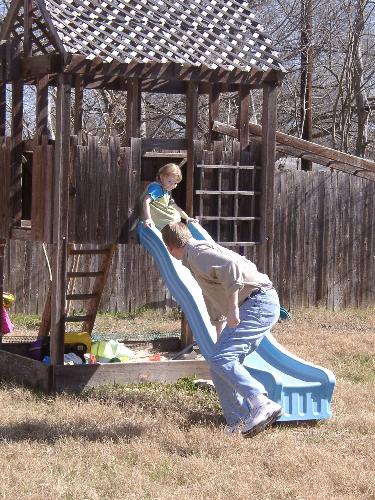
{"points": [[234, 384]]}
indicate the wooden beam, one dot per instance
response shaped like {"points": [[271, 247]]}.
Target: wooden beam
{"points": [[191, 135], [16, 134], [173, 156], [60, 219], [223, 128], [81, 377], [148, 144], [316, 149], [2, 255], [243, 123], [54, 36], [3, 109], [27, 27], [78, 105], [133, 108], [268, 156], [24, 370], [41, 108], [132, 189], [78, 64], [306, 76], [92, 81], [293, 146], [5, 210], [164, 87], [214, 111], [8, 22], [45, 323], [37, 66]]}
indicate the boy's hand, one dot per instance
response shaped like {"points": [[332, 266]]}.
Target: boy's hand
{"points": [[233, 317], [191, 219], [148, 222]]}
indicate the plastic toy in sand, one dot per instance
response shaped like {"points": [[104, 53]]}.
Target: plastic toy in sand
{"points": [[6, 324]]}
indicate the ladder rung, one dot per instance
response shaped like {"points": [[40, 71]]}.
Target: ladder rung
{"points": [[234, 167], [88, 274], [243, 193], [239, 243], [81, 296], [214, 217], [78, 319], [87, 251]]}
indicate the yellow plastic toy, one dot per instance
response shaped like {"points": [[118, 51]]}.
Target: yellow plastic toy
{"points": [[78, 338], [8, 299]]}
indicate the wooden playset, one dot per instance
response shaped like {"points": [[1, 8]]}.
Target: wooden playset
{"points": [[79, 195]]}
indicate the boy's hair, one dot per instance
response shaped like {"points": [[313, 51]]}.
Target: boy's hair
{"points": [[170, 169], [176, 234]]}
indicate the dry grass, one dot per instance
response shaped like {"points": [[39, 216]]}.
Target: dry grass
{"points": [[166, 442]]}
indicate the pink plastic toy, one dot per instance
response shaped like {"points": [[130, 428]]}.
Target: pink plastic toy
{"points": [[6, 324]]}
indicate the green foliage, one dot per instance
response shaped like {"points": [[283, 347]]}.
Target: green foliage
{"points": [[142, 312], [28, 321]]}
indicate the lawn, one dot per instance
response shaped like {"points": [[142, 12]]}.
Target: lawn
{"points": [[167, 442]]}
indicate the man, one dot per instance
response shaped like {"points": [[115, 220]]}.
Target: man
{"points": [[243, 305]]}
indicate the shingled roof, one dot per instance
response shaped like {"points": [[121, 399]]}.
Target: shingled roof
{"points": [[220, 34]]}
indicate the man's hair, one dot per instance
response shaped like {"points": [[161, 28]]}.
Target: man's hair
{"points": [[170, 169], [176, 234]]}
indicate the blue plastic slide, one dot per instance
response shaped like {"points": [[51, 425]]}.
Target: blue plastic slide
{"points": [[303, 389]]}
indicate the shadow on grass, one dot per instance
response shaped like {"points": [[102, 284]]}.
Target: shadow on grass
{"points": [[41, 432]]}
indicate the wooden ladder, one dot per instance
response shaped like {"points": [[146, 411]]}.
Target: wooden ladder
{"points": [[91, 297], [241, 186]]}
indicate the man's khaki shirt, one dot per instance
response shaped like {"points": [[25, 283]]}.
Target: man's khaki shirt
{"points": [[220, 272]]}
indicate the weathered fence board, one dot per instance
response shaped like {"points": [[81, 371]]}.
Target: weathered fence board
{"points": [[5, 217], [99, 192], [324, 249]]}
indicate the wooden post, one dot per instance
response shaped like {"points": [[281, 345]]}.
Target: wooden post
{"points": [[27, 27], [191, 135], [214, 110], [60, 219], [3, 109], [306, 76], [41, 108], [16, 134], [2, 251], [133, 108], [78, 105], [243, 123], [268, 152]]}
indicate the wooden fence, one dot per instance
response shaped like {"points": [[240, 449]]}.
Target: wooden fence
{"points": [[324, 251]]}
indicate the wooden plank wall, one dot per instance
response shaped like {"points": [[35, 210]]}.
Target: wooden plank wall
{"points": [[323, 253], [324, 246], [42, 193], [5, 176], [99, 197]]}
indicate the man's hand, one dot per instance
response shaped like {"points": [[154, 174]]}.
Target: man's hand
{"points": [[148, 223], [233, 317], [191, 219]]}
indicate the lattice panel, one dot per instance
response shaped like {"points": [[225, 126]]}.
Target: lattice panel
{"points": [[215, 33], [41, 38]]}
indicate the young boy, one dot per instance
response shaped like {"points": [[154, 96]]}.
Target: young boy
{"points": [[159, 208], [244, 306]]}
